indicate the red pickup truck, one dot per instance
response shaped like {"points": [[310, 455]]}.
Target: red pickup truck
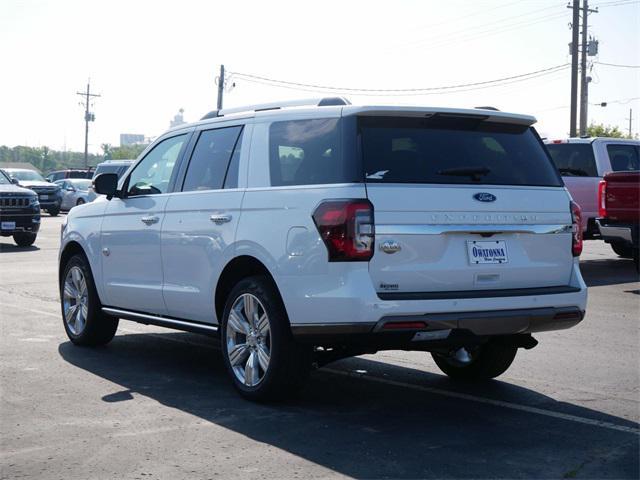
{"points": [[619, 212]]}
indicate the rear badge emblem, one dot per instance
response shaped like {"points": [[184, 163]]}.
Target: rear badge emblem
{"points": [[390, 246], [484, 197]]}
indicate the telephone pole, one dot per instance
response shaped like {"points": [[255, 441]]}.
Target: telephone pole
{"points": [[220, 87], [575, 25], [88, 117], [584, 79], [630, 121]]}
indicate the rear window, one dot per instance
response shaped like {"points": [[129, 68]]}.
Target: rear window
{"points": [[453, 150], [308, 152], [623, 157], [573, 159]]}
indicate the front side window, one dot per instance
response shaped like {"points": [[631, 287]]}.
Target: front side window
{"points": [[4, 180], [210, 161], [307, 152], [573, 159], [152, 175], [623, 157]]}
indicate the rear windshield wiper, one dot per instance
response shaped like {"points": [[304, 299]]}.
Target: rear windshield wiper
{"points": [[572, 172], [476, 173]]}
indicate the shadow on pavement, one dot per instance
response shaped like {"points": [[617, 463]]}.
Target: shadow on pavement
{"points": [[6, 247], [608, 271], [367, 429]]}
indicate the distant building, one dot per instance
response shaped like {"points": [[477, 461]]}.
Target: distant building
{"points": [[131, 139], [178, 119]]}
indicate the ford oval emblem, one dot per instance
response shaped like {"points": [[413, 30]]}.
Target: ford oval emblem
{"points": [[484, 197]]}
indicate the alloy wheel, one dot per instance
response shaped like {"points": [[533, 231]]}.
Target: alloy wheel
{"points": [[75, 298], [248, 340]]}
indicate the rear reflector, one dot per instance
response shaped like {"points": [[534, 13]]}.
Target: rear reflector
{"points": [[567, 316], [404, 325]]}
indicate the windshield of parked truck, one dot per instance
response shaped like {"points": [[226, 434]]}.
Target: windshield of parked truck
{"points": [[26, 175]]}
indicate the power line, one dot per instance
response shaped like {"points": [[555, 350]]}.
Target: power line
{"points": [[616, 3], [249, 77], [617, 65]]}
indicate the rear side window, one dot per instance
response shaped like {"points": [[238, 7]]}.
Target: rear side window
{"points": [[210, 159], [453, 150], [573, 159], [623, 157], [307, 152]]}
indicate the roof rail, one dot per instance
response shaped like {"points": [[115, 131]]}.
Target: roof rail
{"points": [[319, 102], [487, 108]]}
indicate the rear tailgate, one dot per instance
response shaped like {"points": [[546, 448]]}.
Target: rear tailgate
{"points": [[463, 204]]}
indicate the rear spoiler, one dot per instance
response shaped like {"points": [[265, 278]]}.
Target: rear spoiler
{"points": [[480, 114]]}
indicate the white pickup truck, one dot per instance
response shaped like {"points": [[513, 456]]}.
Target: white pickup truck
{"points": [[583, 162]]}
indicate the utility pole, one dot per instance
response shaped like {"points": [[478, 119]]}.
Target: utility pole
{"points": [[630, 121], [575, 25], [220, 87], [88, 117], [584, 79]]}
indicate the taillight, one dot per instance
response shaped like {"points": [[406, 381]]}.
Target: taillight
{"points": [[576, 239], [347, 229], [602, 199]]}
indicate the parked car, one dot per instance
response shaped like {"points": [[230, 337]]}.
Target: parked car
{"points": [[110, 166], [304, 234], [619, 212], [49, 194], [583, 162], [75, 191], [69, 173], [19, 212]]}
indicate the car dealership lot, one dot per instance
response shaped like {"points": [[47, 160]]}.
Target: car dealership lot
{"points": [[158, 404]]}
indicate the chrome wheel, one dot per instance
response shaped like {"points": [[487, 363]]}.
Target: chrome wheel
{"points": [[75, 298], [248, 340]]}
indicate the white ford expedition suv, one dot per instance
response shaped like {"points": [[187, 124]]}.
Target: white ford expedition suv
{"points": [[301, 234]]}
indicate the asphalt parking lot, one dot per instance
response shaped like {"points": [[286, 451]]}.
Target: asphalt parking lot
{"points": [[158, 404]]}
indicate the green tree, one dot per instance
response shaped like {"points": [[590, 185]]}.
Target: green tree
{"points": [[601, 130], [107, 153], [125, 152]]}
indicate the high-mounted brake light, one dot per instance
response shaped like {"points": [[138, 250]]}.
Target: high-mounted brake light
{"points": [[602, 199], [346, 228], [576, 237]]}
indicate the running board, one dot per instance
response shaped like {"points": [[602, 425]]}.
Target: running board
{"points": [[173, 323]]}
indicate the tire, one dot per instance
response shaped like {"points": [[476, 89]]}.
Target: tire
{"points": [[90, 327], [54, 211], [488, 361], [24, 239], [622, 250], [80, 202], [287, 363]]}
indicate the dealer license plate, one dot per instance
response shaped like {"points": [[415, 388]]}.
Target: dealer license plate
{"points": [[487, 252]]}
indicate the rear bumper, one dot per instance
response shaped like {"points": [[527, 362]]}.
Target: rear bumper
{"points": [[417, 330], [618, 233]]}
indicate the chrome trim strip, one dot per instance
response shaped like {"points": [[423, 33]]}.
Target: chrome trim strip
{"points": [[163, 321], [439, 229]]}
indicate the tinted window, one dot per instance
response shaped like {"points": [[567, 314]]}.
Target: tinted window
{"points": [[152, 175], [110, 168], [453, 150], [623, 157], [231, 180], [573, 159], [307, 152], [210, 159]]}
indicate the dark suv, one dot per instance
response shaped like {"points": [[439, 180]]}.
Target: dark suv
{"points": [[49, 194], [19, 212]]}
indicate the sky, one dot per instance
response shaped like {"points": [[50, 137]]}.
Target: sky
{"points": [[148, 59]]}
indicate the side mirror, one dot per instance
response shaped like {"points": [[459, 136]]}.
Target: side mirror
{"points": [[15, 181], [70, 189], [106, 184]]}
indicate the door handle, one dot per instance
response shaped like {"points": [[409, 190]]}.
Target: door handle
{"points": [[149, 220], [220, 219]]}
